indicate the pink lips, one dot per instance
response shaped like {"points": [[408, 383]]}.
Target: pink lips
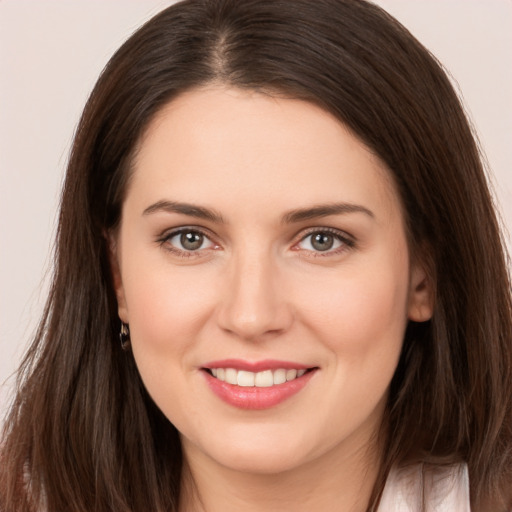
{"points": [[256, 398]]}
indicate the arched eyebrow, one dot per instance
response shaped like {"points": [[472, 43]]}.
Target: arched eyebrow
{"points": [[324, 210], [191, 210], [291, 217]]}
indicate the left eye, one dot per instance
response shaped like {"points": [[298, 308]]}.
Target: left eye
{"points": [[322, 241], [189, 240]]}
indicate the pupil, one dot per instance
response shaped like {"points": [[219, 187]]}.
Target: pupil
{"points": [[322, 241], [191, 241]]}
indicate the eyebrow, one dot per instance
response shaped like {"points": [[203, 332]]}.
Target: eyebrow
{"points": [[324, 210], [186, 209], [291, 217]]}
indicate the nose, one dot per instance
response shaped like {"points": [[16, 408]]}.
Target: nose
{"points": [[254, 304]]}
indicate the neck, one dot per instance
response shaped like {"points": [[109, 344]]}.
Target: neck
{"points": [[341, 479]]}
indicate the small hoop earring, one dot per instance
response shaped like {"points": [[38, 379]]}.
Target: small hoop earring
{"points": [[124, 337]]}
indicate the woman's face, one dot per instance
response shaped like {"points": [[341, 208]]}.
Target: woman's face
{"points": [[260, 239]]}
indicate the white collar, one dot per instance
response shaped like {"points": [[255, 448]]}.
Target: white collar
{"points": [[441, 489]]}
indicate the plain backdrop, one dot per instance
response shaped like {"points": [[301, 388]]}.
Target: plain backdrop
{"points": [[52, 51]]}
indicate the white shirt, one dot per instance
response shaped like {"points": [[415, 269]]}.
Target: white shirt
{"points": [[443, 489]]}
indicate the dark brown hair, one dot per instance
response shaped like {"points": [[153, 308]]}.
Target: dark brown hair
{"points": [[83, 435]]}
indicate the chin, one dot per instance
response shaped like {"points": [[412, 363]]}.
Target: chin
{"points": [[262, 451], [262, 462]]}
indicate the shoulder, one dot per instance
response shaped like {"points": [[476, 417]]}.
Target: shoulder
{"points": [[437, 488]]}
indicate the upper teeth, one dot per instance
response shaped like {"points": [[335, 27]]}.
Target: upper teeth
{"points": [[262, 379]]}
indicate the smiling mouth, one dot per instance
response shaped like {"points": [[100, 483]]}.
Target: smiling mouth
{"points": [[262, 379], [256, 385]]}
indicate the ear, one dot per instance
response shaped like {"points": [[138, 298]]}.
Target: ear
{"points": [[117, 281], [421, 295]]}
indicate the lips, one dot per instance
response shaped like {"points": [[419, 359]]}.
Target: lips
{"points": [[256, 385]]}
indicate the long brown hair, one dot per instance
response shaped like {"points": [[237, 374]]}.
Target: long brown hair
{"points": [[83, 434]]}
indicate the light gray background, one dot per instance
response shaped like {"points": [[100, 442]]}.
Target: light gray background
{"points": [[51, 53]]}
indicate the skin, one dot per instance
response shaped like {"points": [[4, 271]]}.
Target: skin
{"points": [[258, 289]]}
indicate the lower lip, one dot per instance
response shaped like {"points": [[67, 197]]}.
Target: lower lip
{"points": [[256, 398]]}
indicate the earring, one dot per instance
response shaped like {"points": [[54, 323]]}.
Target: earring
{"points": [[124, 336]]}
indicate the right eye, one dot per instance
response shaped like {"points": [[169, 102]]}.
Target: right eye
{"points": [[186, 241]]}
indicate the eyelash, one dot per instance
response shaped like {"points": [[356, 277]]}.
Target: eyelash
{"points": [[166, 237], [347, 242]]}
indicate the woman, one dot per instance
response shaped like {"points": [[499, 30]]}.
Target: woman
{"points": [[280, 210]]}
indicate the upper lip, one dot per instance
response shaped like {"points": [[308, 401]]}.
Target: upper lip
{"points": [[256, 366]]}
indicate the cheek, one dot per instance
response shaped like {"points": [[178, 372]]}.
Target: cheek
{"points": [[361, 321], [167, 308], [361, 311], [166, 305]]}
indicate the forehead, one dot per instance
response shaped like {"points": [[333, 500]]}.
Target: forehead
{"points": [[251, 150]]}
